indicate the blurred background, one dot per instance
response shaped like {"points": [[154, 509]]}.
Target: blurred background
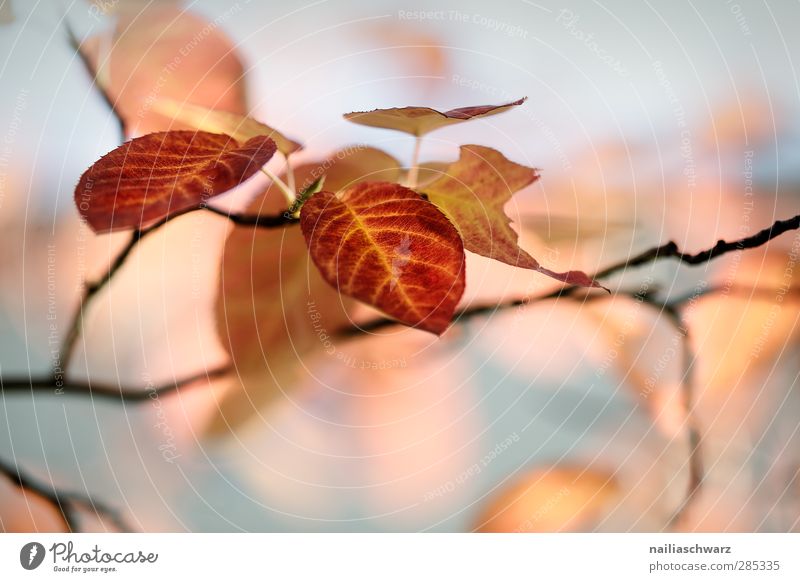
{"points": [[649, 121]]}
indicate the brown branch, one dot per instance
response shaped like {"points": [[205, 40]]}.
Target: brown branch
{"points": [[104, 390], [673, 310], [257, 220], [90, 290], [665, 251], [75, 44], [694, 434], [670, 249], [66, 502]]}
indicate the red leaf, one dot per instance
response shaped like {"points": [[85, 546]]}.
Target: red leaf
{"points": [[421, 120], [383, 244], [160, 174]]}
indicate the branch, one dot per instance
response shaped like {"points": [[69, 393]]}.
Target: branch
{"points": [[670, 249], [257, 220], [75, 44], [665, 251], [695, 437], [90, 290], [672, 309], [67, 503], [106, 391]]}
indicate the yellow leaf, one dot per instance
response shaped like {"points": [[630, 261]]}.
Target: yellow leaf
{"points": [[240, 127], [421, 120]]}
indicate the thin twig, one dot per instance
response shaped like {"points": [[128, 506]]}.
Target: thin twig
{"points": [[694, 434], [670, 249], [665, 251], [257, 220], [75, 44], [104, 390], [90, 290], [66, 502]]}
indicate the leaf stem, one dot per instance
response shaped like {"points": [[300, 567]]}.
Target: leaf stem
{"points": [[287, 191], [413, 171], [290, 179]]}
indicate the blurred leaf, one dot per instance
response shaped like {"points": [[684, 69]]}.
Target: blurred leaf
{"points": [[427, 172], [421, 120], [473, 194], [384, 245], [6, 12], [416, 54], [551, 500], [355, 164], [160, 51], [568, 229], [240, 127], [739, 335], [157, 175], [274, 309]]}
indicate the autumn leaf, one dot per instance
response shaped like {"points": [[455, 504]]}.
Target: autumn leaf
{"points": [[239, 127], [473, 193], [160, 174], [161, 50], [384, 245], [274, 310], [421, 120], [552, 500]]}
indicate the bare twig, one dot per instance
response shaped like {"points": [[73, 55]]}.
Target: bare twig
{"points": [[66, 502], [92, 289], [104, 390], [695, 437], [75, 44], [665, 251], [670, 249]]}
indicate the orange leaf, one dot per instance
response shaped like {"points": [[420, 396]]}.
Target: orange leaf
{"points": [[384, 245], [421, 120], [160, 174], [473, 193], [554, 499], [239, 127]]}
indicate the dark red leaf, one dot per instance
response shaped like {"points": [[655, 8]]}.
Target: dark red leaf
{"points": [[384, 245], [160, 174]]}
